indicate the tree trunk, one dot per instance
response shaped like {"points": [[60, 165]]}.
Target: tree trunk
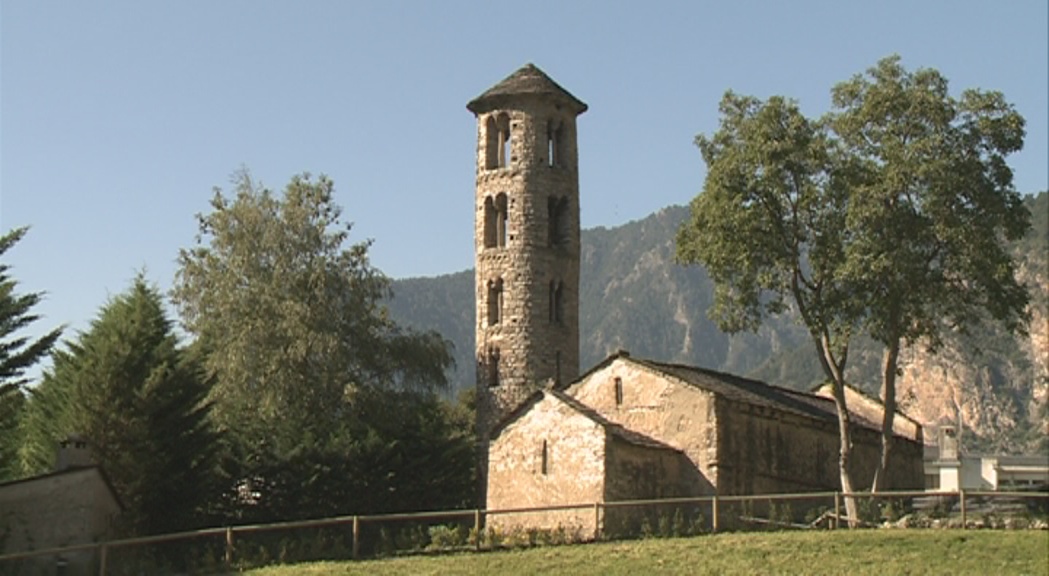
{"points": [[888, 398], [845, 453], [835, 369]]}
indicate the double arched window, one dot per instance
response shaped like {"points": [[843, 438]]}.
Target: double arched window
{"points": [[498, 145]]}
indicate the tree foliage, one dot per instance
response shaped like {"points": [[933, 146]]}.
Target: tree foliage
{"points": [[137, 398], [888, 216], [320, 391], [932, 206], [17, 352], [769, 226]]}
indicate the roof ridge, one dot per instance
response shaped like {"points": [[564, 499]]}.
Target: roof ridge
{"points": [[737, 377], [870, 397]]}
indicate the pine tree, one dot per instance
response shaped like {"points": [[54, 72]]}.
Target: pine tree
{"points": [[17, 353], [138, 399]]}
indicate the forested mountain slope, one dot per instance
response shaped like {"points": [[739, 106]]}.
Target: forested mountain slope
{"points": [[634, 297]]}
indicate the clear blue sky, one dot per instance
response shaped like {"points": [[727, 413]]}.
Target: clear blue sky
{"points": [[118, 118]]}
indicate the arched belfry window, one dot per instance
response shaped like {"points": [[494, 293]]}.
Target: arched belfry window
{"points": [[557, 302], [492, 362], [554, 142], [489, 222], [491, 144], [495, 301], [497, 141], [495, 216], [557, 220]]}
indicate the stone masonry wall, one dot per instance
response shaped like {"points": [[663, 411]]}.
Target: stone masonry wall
{"points": [[677, 414], [906, 468], [767, 451], [56, 510], [640, 473], [575, 468]]}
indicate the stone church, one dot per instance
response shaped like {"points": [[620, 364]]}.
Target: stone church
{"points": [[628, 428]]}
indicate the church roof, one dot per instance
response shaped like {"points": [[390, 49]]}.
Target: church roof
{"points": [[527, 80], [745, 390]]}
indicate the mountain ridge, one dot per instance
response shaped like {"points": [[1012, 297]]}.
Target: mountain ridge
{"points": [[633, 296]]}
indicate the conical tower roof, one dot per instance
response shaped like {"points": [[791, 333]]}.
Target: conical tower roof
{"points": [[527, 80]]}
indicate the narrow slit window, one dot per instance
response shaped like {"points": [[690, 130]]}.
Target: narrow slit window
{"points": [[490, 226], [505, 146], [619, 391], [552, 306], [495, 301], [500, 220], [554, 138], [544, 460], [493, 367], [559, 303]]}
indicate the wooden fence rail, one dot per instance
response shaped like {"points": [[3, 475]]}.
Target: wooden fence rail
{"points": [[478, 516]]}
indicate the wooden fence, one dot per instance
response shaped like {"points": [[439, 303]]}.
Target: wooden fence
{"points": [[230, 534]]}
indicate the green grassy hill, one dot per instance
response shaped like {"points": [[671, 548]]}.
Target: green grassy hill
{"points": [[876, 552]]}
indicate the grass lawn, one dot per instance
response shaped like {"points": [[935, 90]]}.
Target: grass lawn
{"points": [[881, 552]]}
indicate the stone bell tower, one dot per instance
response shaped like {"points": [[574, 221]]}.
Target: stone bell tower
{"points": [[526, 238]]}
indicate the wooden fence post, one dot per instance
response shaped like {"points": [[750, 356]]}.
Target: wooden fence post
{"points": [[597, 521], [103, 551], [837, 509], [714, 514], [961, 496], [356, 536], [477, 528], [229, 546]]}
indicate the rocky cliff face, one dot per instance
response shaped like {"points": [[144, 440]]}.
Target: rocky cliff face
{"points": [[634, 297], [996, 382]]}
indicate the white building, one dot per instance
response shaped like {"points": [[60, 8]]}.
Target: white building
{"points": [[948, 469]]}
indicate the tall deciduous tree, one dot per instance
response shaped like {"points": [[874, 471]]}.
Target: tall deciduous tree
{"points": [[297, 338], [134, 395], [931, 206], [770, 227], [886, 216], [17, 351]]}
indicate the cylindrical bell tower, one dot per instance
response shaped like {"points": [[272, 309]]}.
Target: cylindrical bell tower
{"points": [[526, 239]]}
